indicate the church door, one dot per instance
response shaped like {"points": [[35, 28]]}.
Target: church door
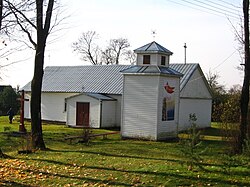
{"points": [[82, 114]]}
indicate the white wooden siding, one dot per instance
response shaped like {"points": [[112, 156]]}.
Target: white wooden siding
{"points": [[202, 109], [108, 114], [94, 110], [139, 113], [118, 109], [52, 106], [168, 129], [196, 87]]}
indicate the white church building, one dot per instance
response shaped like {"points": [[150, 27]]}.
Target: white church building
{"points": [[150, 100]]}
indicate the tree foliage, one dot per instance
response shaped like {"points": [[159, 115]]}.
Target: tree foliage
{"points": [[218, 93], [8, 99], [191, 147]]}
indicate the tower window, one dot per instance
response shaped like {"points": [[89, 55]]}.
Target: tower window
{"points": [[146, 59], [163, 60]]}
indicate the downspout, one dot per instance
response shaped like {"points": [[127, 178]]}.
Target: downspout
{"points": [[100, 114], [178, 118]]}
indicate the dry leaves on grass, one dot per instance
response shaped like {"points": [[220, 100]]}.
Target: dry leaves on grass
{"points": [[16, 170]]}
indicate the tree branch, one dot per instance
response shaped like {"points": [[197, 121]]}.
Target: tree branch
{"points": [[21, 13], [24, 30], [48, 17]]}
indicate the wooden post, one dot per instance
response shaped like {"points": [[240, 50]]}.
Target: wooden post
{"points": [[21, 126]]}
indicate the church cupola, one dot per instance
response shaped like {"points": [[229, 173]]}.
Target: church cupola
{"points": [[153, 54]]}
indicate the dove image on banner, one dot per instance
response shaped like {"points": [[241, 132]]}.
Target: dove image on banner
{"points": [[168, 105]]}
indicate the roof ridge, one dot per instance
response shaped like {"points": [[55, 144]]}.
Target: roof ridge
{"points": [[69, 66]]}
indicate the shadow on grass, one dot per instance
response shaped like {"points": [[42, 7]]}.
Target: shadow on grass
{"points": [[182, 162], [119, 156], [219, 181], [12, 183], [88, 179]]}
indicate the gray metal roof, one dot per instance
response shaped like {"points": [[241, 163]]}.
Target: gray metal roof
{"points": [[101, 97], [152, 69], [153, 47], [102, 79], [76, 79], [187, 70], [97, 96]]}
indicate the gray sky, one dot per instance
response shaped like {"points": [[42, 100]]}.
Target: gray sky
{"points": [[205, 28]]}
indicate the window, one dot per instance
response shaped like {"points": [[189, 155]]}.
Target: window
{"points": [[65, 106], [146, 59], [163, 60]]}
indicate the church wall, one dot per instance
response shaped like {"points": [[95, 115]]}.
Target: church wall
{"points": [[200, 107], [196, 87], [52, 106], [168, 107], [139, 111]]}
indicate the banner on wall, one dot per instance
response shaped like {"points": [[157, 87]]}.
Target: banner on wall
{"points": [[168, 102]]}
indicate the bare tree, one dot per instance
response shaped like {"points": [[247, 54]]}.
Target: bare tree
{"points": [[244, 101], [36, 27], [1, 12], [216, 87], [117, 48], [42, 28], [87, 48], [89, 51], [130, 56], [107, 56]]}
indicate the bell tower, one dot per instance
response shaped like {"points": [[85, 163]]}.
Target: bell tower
{"points": [[150, 100], [153, 54]]}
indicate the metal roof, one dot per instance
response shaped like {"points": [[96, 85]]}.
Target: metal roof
{"points": [[153, 47], [187, 70], [97, 96], [101, 97], [152, 69], [76, 79], [102, 79]]}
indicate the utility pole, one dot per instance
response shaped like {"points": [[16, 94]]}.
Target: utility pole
{"points": [[185, 53]]}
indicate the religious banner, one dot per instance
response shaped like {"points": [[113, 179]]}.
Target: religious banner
{"points": [[168, 102]]}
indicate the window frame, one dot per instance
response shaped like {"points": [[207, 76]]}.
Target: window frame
{"points": [[146, 59]]}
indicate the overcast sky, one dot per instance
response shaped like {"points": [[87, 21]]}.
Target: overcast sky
{"points": [[205, 28]]}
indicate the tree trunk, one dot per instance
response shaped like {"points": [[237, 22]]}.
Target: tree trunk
{"points": [[245, 89], [36, 87], [1, 14], [1, 153]]}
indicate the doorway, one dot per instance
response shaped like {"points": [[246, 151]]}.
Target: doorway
{"points": [[82, 114]]}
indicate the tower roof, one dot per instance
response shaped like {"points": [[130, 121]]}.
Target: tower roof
{"points": [[153, 47]]}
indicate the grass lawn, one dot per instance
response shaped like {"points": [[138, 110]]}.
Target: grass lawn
{"points": [[113, 162]]}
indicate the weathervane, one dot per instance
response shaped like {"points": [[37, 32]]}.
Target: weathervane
{"points": [[153, 32]]}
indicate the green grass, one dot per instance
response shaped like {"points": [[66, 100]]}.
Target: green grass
{"points": [[113, 162]]}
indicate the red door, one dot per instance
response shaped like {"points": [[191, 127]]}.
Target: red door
{"points": [[82, 114]]}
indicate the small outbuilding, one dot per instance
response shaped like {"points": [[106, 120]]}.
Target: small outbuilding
{"points": [[91, 109]]}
